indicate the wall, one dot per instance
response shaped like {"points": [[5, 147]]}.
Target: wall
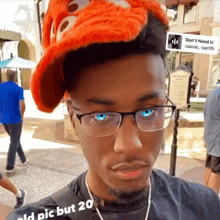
{"points": [[206, 8], [22, 19], [204, 59], [27, 51]]}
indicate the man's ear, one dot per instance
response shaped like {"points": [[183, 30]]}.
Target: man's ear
{"points": [[70, 111], [72, 120]]}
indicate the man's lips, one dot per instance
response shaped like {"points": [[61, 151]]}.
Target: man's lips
{"points": [[129, 170], [125, 167], [130, 174]]}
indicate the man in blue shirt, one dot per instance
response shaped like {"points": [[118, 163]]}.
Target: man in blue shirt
{"points": [[12, 108], [212, 139]]}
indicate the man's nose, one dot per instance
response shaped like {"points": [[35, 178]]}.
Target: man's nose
{"points": [[127, 139]]}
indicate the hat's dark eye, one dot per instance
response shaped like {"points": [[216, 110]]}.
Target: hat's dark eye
{"points": [[77, 5], [73, 7], [66, 24]]}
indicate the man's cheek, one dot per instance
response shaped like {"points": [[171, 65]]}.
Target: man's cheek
{"points": [[152, 141], [88, 146]]}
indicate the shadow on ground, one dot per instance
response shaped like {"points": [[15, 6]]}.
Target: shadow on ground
{"points": [[48, 130]]}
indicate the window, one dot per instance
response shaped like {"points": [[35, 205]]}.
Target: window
{"points": [[172, 11], [190, 12], [214, 72]]}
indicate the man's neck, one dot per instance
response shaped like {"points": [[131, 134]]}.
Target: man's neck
{"points": [[103, 192]]}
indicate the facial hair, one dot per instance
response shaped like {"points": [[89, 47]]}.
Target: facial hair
{"points": [[129, 198]]}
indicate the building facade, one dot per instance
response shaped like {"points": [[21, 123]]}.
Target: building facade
{"points": [[6, 36], [24, 20], [198, 17]]}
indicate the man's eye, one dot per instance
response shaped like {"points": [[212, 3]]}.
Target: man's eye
{"points": [[147, 113], [100, 117]]}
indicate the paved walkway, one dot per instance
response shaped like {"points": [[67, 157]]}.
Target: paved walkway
{"points": [[54, 161]]}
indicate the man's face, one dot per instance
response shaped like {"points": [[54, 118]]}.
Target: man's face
{"points": [[124, 160]]}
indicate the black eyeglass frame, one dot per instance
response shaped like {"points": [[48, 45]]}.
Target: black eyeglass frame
{"points": [[173, 106]]}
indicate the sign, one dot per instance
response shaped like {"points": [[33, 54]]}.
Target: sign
{"points": [[179, 88], [192, 43]]}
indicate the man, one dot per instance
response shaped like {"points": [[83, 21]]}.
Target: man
{"points": [[212, 139], [108, 55], [218, 83], [12, 108], [19, 193], [195, 87]]}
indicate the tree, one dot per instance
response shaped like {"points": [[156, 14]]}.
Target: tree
{"points": [[161, 2]]}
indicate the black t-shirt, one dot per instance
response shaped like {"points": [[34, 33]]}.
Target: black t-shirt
{"points": [[172, 199]]}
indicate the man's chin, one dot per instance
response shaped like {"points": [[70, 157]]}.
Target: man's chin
{"points": [[129, 198]]}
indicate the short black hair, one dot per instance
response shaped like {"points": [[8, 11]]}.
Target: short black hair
{"points": [[151, 40], [12, 76]]}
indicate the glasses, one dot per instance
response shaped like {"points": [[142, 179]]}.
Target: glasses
{"points": [[101, 124]]}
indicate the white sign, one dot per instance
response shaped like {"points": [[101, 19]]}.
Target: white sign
{"points": [[192, 43], [179, 88]]}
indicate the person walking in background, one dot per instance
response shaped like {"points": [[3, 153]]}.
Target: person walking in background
{"points": [[12, 108], [19, 193], [212, 139], [218, 83], [197, 87]]}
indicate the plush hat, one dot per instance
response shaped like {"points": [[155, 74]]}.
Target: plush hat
{"points": [[73, 24]]}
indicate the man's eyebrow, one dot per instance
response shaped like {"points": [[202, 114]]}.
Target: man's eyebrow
{"points": [[149, 96], [146, 97], [100, 101], [77, 109]]}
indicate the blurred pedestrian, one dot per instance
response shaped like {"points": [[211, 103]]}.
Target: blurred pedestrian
{"points": [[19, 193], [197, 87], [12, 108], [218, 83], [212, 139]]}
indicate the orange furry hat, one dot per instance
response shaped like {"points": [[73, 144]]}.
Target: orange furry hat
{"points": [[73, 24]]}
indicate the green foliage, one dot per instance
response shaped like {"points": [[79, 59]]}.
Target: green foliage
{"points": [[161, 2]]}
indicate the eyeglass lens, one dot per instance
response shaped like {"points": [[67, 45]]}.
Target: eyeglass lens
{"points": [[105, 124], [154, 119], [101, 124]]}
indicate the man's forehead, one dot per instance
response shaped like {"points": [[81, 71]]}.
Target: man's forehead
{"points": [[127, 81], [147, 63], [148, 99], [141, 70]]}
